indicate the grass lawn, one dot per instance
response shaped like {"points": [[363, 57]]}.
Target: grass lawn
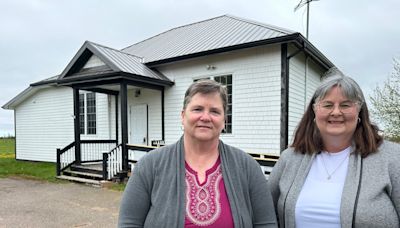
{"points": [[7, 146], [44, 171], [9, 167]]}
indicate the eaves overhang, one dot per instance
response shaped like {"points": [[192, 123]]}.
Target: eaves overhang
{"points": [[295, 38], [309, 49], [114, 77]]}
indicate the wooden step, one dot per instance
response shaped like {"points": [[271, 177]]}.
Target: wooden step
{"points": [[80, 180], [86, 169], [78, 173]]}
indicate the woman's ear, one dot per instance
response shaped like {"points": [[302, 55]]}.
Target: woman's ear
{"points": [[182, 115]]}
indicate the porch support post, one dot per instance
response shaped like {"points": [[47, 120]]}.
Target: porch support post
{"points": [[124, 124], [162, 116], [77, 133], [116, 120], [284, 97]]}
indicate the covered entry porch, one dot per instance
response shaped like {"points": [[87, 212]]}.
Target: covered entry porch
{"points": [[134, 94]]}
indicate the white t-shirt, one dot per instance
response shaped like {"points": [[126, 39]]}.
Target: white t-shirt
{"points": [[318, 205]]}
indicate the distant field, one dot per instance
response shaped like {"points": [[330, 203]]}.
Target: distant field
{"points": [[7, 146]]}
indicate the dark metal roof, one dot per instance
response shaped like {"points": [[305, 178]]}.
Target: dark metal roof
{"points": [[215, 33], [117, 60], [127, 63]]}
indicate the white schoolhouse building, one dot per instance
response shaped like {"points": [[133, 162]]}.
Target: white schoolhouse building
{"points": [[108, 103]]}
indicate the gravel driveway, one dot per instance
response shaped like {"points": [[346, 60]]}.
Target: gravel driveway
{"points": [[28, 203]]}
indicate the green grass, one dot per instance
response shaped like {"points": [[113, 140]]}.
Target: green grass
{"points": [[117, 187], [7, 146], [10, 167], [45, 171]]}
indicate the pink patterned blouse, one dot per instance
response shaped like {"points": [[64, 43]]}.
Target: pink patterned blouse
{"points": [[207, 204]]}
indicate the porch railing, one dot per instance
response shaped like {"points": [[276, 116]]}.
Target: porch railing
{"points": [[65, 157], [112, 162], [91, 151], [136, 152]]}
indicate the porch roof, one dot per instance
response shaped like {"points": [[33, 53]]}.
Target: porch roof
{"points": [[111, 62]]}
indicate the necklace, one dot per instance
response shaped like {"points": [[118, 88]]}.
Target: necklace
{"points": [[326, 169]]}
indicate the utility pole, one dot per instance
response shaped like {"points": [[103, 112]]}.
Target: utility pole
{"points": [[301, 4]]}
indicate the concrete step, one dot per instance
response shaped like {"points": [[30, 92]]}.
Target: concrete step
{"points": [[91, 175], [81, 180]]}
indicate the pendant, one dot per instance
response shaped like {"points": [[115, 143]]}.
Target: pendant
{"points": [[329, 177]]}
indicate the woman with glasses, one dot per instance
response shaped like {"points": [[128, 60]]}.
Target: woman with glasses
{"points": [[338, 171]]}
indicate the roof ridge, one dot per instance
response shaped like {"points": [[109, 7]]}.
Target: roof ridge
{"points": [[257, 23], [121, 51], [175, 28]]}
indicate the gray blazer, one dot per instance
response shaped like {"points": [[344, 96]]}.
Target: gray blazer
{"points": [[155, 193], [371, 194]]}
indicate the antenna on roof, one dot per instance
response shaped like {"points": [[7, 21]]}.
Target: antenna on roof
{"points": [[301, 4]]}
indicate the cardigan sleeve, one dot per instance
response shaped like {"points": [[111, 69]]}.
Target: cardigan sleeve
{"points": [[394, 174], [261, 200], [135, 202], [274, 178]]}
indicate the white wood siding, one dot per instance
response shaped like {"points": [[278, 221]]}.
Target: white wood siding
{"points": [[303, 80], [256, 95], [44, 122]]}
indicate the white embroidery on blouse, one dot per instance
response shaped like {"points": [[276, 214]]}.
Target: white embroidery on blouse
{"points": [[202, 202]]}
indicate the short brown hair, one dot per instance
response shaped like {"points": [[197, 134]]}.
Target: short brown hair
{"points": [[307, 138], [206, 86]]}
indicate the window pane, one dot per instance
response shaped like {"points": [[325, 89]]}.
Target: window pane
{"points": [[91, 113], [82, 113], [227, 81]]}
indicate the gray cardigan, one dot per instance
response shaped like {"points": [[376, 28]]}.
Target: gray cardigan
{"points": [[155, 193], [377, 187]]}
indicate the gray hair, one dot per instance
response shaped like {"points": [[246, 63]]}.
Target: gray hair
{"points": [[334, 77], [206, 86]]}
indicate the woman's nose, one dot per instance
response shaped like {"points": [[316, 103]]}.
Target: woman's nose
{"points": [[336, 110], [205, 116]]}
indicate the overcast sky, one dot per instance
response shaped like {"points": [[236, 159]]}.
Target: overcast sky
{"points": [[38, 38]]}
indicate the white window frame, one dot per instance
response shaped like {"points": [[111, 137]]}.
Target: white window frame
{"points": [[86, 114]]}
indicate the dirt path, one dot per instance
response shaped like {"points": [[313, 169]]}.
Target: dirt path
{"points": [[27, 203]]}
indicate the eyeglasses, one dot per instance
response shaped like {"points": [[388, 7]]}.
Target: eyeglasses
{"points": [[344, 107]]}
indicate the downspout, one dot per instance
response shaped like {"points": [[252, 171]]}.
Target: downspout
{"points": [[284, 132]]}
